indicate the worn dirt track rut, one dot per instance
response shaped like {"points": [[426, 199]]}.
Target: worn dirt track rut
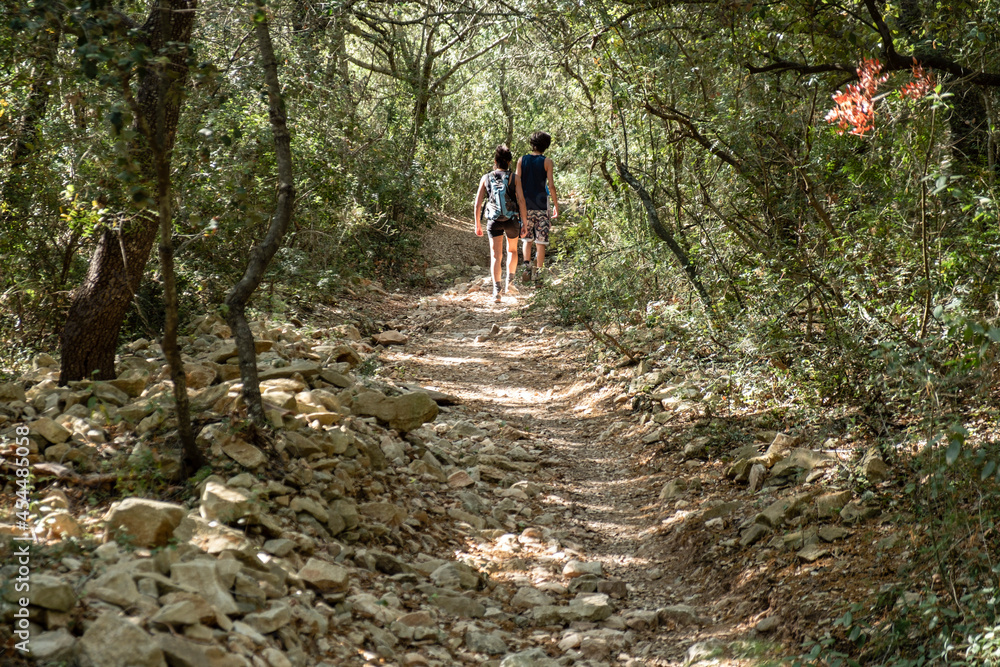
{"points": [[537, 378]]}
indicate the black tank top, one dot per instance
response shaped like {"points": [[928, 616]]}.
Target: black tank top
{"points": [[533, 180]]}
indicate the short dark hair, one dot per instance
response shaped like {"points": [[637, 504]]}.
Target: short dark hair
{"points": [[502, 156], [540, 141]]}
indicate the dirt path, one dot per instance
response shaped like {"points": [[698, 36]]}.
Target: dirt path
{"points": [[602, 502]]}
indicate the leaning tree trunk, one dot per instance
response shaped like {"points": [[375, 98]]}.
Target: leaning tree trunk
{"points": [[261, 255], [508, 113], [662, 233], [192, 458], [99, 305]]}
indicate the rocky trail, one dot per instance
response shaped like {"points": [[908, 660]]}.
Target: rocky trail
{"points": [[467, 486]]}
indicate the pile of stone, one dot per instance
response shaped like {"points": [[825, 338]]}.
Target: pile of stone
{"points": [[365, 532], [795, 498]]}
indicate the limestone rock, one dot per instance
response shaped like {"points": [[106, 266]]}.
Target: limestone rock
{"points": [[833, 533], [588, 607], [576, 568], [198, 376], [113, 641], [185, 609], [756, 477], [12, 391], [104, 391], [697, 448], [46, 591], [753, 534], [535, 657], [306, 369], [182, 652], [783, 509], [481, 642], [403, 413], [202, 576], [131, 381], [799, 460], [812, 553], [874, 468], [277, 616], [459, 605], [391, 337], [115, 587], [310, 506], [768, 624], [386, 513], [615, 589], [720, 511], [830, 504], [324, 577], [528, 597], [138, 410], [681, 614], [243, 453], [460, 479], [50, 430], [855, 511], [672, 489], [224, 504], [53, 647], [143, 522]]}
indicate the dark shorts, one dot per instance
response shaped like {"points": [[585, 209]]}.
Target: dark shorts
{"points": [[512, 228]]}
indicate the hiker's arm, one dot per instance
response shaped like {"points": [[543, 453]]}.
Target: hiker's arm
{"points": [[552, 187], [478, 208], [522, 207]]}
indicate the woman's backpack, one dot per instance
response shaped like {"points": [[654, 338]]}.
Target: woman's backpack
{"points": [[501, 200]]}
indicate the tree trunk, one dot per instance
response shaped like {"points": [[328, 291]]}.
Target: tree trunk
{"points": [[662, 233], [260, 256], [191, 459], [508, 113], [98, 308]]}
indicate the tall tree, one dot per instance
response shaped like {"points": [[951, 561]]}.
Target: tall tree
{"points": [[424, 44], [261, 255], [98, 308]]}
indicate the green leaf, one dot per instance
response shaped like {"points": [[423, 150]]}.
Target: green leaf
{"points": [[953, 451], [988, 470]]}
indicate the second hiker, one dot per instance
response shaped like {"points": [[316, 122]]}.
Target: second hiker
{"points": [[534, 173], [502, 221]]}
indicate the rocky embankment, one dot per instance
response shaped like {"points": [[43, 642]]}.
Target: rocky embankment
{"points": [[333, 544], [388, 524]]}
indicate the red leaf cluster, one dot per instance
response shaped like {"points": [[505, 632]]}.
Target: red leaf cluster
{"points": [[923, 83], [855, 110]]}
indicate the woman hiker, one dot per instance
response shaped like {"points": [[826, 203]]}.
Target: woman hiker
{"points": [[496, 188]]}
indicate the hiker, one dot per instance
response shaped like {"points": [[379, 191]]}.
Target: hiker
{"points": [[535, 182], [496, 188]]}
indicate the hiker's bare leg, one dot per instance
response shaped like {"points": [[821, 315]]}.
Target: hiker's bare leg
{"points": [[496, 247], [539, 254], [527, 250], [511, 261]]}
